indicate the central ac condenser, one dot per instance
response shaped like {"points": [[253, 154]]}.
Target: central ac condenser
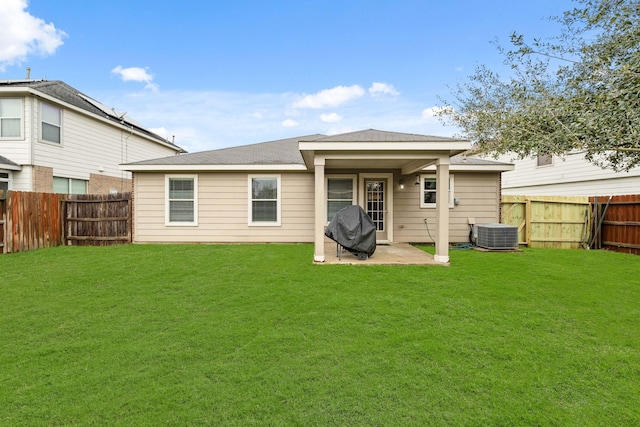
{"points": [[496, 236]]}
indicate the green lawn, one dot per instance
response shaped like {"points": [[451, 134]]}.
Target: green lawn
{"points": [[257, 335]]}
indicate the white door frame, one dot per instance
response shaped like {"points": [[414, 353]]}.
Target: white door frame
{"points": [[389, 198]]}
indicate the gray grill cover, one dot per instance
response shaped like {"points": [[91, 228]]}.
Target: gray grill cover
{"points": [[352, 228]]}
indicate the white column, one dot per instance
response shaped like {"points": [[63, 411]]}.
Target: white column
{"points": [[321, 217], [442, 211]]}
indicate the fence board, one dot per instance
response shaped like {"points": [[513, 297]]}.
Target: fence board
{"points": [[2, 220], [32, 221], [98, 219], [548, 221]]}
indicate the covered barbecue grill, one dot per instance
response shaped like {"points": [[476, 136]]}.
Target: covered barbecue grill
{"points": [[352, 229]]}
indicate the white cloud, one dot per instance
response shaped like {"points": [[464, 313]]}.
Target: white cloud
{"points": [[23, 34], [330, 97], [207, 120], [330, 117], [431, 112], [136, 74], [378, 89]]}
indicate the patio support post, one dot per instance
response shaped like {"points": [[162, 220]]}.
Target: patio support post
{"points": [[442, 211], [318, 255]]}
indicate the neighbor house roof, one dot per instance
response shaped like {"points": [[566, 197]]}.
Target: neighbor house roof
{"points": [[287, 154], [8, 164], [63, 92]]}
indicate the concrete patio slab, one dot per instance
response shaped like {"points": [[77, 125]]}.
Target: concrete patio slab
{"points": [[388, 254]]}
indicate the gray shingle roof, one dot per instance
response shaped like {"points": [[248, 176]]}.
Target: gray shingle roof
{"points": [[461, 159], [374, 135], [279, 152], [65, 93], [287, 151], [5, 161]]}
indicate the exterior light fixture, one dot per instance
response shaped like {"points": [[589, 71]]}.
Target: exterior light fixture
{"points": [[401, 184], [417, 180]]}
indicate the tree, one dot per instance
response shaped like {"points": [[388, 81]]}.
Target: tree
{"points": [[577, 92]]}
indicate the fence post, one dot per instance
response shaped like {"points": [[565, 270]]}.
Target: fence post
{"points": [[527, 219]]}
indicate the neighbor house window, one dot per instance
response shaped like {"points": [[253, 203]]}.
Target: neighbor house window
{"points": [[339, 194], [181, 200], [69, 185], [10, 117], [264, 200], [545, 160], [428, 186], [51, 123], [4, 184]]}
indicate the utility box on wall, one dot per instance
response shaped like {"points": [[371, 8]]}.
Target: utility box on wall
{"points": [[496, 236]]}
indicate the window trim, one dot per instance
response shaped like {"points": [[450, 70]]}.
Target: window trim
{"points": [[167, 200], [278, 221], [41, 121], [434, 176], [354, 183], [21, 117]]}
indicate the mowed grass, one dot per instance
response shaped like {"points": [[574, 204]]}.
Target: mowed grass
{"points": [[257, 335]]}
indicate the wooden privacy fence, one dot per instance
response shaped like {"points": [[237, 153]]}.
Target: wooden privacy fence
{"points": [[97, 219], [2, 220], [31, 220], [549, 221], [617, 223]]}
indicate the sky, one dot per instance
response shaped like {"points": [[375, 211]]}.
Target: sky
{"points": [[221, 73]]}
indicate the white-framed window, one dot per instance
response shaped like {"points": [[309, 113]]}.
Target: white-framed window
{"points": [[544, 160], [11, 117], [181, 198], [69, 185], [264, 200], [428, 187], [50, 123], [340, 193]]}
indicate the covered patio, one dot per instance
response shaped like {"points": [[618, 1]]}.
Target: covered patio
{"points": [[386, 254], [379, 154]]}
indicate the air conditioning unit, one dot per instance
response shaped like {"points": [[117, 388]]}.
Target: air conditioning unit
{"points": [[496, 236]]}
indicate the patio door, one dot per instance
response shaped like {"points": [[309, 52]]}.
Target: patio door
{"points": [[376, 205]]}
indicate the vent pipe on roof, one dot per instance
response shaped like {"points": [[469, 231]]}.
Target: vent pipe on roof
{"points": [[28, 73]]}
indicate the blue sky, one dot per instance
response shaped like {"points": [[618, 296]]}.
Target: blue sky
{"points": [[224, 73]]}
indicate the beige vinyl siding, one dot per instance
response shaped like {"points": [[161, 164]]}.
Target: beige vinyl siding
{"points": [[89, 145], [478, 194], [223, 210]]}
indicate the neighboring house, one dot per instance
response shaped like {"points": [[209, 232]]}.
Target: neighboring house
{"points": [[288, 190], [571, 175], [55, 139]]}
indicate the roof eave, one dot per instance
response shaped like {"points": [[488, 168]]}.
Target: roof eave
{"points": [[213, 168]]}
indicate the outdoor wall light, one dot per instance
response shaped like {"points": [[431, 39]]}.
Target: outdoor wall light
{"points": [[401, 184], [417, 180]]}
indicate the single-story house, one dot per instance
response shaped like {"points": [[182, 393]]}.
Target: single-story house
{"points": [[288, 190]]}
